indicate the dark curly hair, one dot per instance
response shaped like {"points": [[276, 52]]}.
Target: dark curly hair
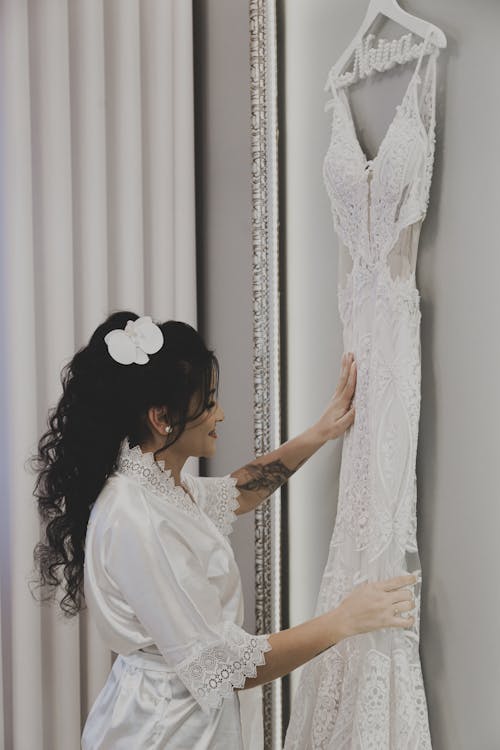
{"points": [[103, 402]]}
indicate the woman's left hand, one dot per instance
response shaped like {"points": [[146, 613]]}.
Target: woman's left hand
{"points": [[339, 414]]}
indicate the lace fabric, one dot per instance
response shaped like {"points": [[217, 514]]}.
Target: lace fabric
{"points": [[220, 501], [152, 474], [367, 692], [215, 670], [217, 497]]}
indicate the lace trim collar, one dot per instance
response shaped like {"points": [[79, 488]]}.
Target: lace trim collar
{"points": [[154, 476]]}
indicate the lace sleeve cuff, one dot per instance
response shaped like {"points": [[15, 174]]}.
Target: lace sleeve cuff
{"points": [[221, 501], [215, 670]]}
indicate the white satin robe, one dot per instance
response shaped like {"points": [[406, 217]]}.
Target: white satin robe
{"points": [[163, 587]]}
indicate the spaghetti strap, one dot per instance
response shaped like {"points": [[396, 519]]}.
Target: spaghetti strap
{"points": [[427, 37]]}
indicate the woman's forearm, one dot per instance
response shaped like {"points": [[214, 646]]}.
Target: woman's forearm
{"points": [[295, 646], [369, 606], [258, 479]]}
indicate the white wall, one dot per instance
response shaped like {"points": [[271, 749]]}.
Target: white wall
{"points": [[458, 275]]}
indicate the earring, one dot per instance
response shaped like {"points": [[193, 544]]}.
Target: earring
{"points": [[168, 428]]}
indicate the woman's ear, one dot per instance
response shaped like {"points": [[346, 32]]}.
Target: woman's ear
{"points": [[158, 419]]}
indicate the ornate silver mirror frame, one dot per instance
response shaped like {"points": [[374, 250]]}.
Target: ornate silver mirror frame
{"points": [[266, 338]]}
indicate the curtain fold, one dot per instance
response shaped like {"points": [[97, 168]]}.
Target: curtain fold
{"points": [[97, 213]]}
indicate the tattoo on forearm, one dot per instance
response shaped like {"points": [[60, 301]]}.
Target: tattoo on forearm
{"points": [[267, 477]]}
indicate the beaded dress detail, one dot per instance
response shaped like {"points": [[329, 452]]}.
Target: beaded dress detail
{"points": [[367, 691]]}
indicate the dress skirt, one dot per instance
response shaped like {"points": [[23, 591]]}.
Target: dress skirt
{"points": [[144, 704]]}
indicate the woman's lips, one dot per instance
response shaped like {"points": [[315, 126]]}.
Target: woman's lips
{"points": [[213, 434]]}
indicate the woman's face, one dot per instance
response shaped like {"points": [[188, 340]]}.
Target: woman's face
{"points": [[196, 439]]}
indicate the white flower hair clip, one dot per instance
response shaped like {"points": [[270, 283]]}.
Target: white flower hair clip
{"points": [[133, 343]]}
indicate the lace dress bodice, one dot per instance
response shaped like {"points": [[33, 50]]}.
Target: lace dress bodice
{"points": [[366, 692]]}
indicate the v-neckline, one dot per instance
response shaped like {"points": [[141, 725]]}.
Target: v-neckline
{"points": [[153, 473], [346, 104], [347, 109]]}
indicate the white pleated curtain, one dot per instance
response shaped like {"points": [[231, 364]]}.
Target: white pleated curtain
{"points": [[97, 213]]}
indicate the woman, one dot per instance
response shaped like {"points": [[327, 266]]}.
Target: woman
{"points": [[145, 544]]}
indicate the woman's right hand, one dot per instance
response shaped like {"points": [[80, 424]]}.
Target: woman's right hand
{"points": [[370, 606]]}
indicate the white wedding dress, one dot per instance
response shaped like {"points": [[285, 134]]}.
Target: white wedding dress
{"points": [[367, 692]]}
